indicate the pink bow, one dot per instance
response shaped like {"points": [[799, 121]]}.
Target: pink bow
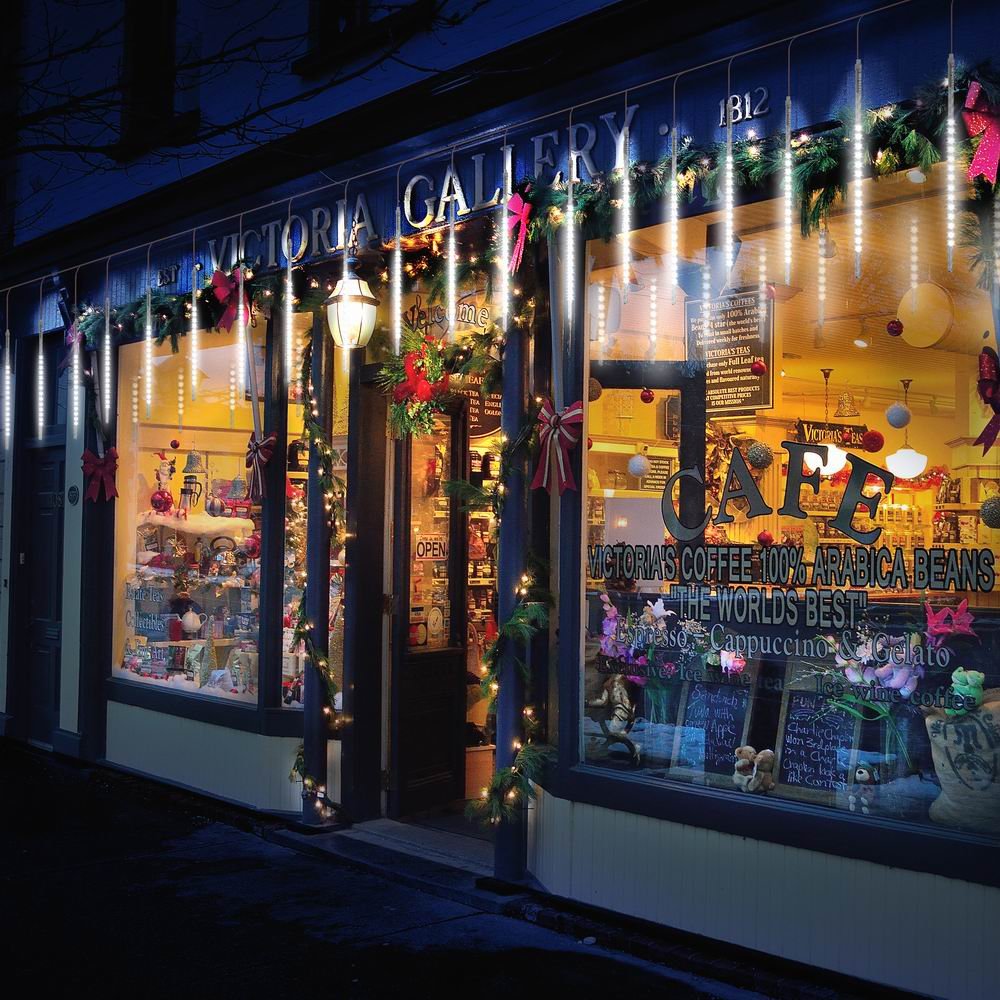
{"points": [[100, 472], [226, 290], [983, 119], [559, 433], [259, 452], [520, 211], [74, 337]]}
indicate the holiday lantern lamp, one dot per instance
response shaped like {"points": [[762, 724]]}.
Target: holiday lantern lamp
{"points": [[350, 309], [906, 463], [836, 458]]}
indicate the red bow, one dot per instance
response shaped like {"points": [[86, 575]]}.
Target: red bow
{"points": [[226, 289], [559, 432], [259, 452], [981, 118], [989, 393], [100, 472], [520, 210]]}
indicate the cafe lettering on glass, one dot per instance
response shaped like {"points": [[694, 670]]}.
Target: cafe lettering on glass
{"points": [[744, 107]]}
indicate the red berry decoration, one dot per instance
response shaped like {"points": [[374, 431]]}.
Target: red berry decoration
{"points": [[758, 368], [846, 437], [873, 441], [647, 395], [590, 443], [175, 444], [765, 538], [894, 328]]}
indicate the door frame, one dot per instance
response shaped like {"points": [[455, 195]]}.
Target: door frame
{"points": [[457, 409]]}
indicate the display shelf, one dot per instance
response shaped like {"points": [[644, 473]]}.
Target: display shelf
{"points": [[188, 643], [197, 524]]}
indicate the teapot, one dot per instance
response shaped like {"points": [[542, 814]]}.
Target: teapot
{"points": [[192, 622]]}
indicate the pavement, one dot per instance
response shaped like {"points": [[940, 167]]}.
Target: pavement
{"points": [[113, 885]]}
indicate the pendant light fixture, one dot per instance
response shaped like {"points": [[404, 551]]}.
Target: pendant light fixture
{"points": [[350, 309], [906, 463], [836, 458]]}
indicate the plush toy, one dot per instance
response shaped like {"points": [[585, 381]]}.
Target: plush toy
{"points": [[762, 779], [862, 793], [743, 768]]}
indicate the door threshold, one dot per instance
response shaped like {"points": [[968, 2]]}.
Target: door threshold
{"points": [[453, 850]]}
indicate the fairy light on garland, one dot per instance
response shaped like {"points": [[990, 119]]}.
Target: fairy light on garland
{"points": [[652, 314], [821, 277], [194, 346], [40, 374], [147, 343], [858, 161]]}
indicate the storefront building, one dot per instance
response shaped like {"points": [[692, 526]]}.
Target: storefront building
{"points": [[741, 319]]}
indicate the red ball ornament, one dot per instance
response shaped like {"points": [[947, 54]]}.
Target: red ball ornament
{"points": [[873, 441], [175, 444], [647, 395], [845, 437], [590, 443], [758, 368], [765, 538], [894, 328]]}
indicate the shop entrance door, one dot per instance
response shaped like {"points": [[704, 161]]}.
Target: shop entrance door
{"points": [[428, 705]]}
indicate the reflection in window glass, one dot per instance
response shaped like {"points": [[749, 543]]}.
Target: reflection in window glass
{"points": [[187, 537], [846, 663]]}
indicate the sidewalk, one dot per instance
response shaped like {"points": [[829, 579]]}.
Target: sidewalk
{"points": [[115, 885]]}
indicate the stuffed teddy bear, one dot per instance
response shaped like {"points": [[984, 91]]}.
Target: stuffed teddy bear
{"points": [[762, 778], [743, 766], [862, 793]]}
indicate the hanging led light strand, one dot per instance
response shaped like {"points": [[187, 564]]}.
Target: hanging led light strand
{"points": [[180, 398], [787, 179], [40, 374], [914, 262], [397, 275], [505, 236], [653, 320], [135, 400], [602, 323], [76, 349], [673, 199], [147, 342], [858, 159], [193, 347], [762, 287], [232, 396], [626, 209], [7, 380], [289, 307], [241, 323], [728, 196], [996, 251], [569, 241], [452, 255], [821, 276], [950, 154], [106, 366]]}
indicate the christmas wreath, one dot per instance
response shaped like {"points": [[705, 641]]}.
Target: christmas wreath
{"points": [[417, 380]]}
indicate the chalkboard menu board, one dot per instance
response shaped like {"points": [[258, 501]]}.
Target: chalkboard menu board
{"points": [[729, 334], [715, 721], [816, 746]]}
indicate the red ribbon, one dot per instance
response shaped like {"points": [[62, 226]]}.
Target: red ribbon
{"points": [[227, 291], [259, 452], [981, 118], [520, 211], [100, 472], [558, 433], [989, 393]]}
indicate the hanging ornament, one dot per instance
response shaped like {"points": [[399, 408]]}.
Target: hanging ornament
{"points": [[590, 443], [846, 437], [846, 407], [759, 367], [594, 390], [898, 415], [175, 444], [759, 455], [873, 441], [982, 119], [906, 462], [647, 395], [765, 538], [988, 388], [894, 328], [638, 464], [989, 512]]}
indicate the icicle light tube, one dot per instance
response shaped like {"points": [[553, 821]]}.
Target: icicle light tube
{"points": [[505, 240], [762, 285], [74, 389], [106, 367], [180, 398], [626, 210], [6, 390], [914, 261], [858, 171], [40, 374], [241, 336], [569, 249], [674, 208], [653, 322], [193, 347], [996, 250], [135, 401], [950, 164], [232, 396], [821, 278], [289, 309], [147, 348], [452, 271], [728, 233], [602, 327], [789, 188], [397, 283]]}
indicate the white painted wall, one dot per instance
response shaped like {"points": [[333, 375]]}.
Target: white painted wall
{"points": [[245, 768], [907, 929]]}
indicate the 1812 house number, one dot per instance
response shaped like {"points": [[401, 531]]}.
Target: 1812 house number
{"points": [[744, 107]]}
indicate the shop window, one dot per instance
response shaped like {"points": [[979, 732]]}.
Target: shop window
{"points": [[187, 537], [833, 655]]}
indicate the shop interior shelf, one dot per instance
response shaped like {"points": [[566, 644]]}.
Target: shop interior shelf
{"points": [[198, 524], [227, 641]]}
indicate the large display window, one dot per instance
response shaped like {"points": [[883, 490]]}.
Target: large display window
{"points": [[762, 617], [187, 535]]}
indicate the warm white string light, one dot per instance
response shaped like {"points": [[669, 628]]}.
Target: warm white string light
{"points": [[728, 194], [950, 164], [106, 366], [7, 380], [180, 398], [194, 346], [505, 237], [858, 162], [569, 241], [821, 276], [787, 180], [653, 321], [135, 400], [40, 374], [673, 206], [232, 396], [914, 261], [147, 344], [74, 377], [289, 308], [397, 277], [762, 286], [626, 208], [241, 335], [602, 323], [452, 260]]}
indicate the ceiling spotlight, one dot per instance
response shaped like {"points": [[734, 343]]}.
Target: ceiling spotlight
{"points": [[860, 342]]}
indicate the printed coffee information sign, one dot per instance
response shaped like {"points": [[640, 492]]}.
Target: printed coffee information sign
{"points": [[661, 468], [729, 334]]}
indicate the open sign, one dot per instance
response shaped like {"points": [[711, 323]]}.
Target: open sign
{"points": [[431, 547]]}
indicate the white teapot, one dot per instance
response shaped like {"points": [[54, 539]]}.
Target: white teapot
{"points": [[192, 622]]}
